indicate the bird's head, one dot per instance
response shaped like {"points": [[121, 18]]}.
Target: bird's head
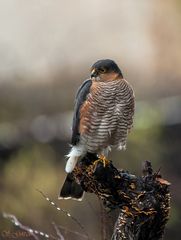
{"points": [[105, 70]]}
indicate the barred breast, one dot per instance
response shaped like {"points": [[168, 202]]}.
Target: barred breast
{"points": [[107, 115]]}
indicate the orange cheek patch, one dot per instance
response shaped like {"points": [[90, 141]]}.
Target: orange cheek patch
{"points": [[110, 76]]}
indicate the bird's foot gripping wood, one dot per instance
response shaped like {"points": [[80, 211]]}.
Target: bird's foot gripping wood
{"points": [[101, 159], [143, 202]]}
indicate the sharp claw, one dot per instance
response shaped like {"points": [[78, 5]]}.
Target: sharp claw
{"points": [[102, 159]]}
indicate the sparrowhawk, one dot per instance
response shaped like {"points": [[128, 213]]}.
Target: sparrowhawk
{"points": [[103, 116]]}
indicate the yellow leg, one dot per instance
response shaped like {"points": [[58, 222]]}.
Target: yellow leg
{"points": [[102, 159]]}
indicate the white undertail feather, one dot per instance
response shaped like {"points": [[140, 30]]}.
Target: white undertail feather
{"points": [[75, 153], [71, 162]]}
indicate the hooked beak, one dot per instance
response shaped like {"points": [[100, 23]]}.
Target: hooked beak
{"points": [[94, 74]]}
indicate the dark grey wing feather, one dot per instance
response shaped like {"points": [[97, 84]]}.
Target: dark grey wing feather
{"points": [[81, 96], [71, 189]]}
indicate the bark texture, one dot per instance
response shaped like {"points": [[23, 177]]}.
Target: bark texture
{"points": [[143, 202]]}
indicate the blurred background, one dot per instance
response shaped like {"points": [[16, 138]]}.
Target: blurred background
{"points": [[46, 50]]}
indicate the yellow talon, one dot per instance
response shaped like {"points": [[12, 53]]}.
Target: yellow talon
{"points": [[104, 160]]}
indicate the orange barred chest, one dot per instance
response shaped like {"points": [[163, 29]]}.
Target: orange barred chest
{"points": [[85, 116], [87, 109]]}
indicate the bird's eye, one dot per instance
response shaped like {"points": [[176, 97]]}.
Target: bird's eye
{"points": [[102, 70]]}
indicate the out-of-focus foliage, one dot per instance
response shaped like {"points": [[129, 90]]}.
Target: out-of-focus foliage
{"points": [[46, 50]]}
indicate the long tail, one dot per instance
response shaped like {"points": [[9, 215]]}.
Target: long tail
{"points": [[75, 153], [71, 189]]}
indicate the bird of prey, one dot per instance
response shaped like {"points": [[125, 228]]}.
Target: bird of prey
{"points": [[103, 116]]}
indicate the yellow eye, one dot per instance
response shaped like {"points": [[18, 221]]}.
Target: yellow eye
{"points": [[102, 70]]}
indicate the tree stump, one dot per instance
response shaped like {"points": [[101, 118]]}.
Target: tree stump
{"points": [[143, 202]]}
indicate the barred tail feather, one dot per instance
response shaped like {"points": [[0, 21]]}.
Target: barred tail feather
{"points": [[73, 156]]}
